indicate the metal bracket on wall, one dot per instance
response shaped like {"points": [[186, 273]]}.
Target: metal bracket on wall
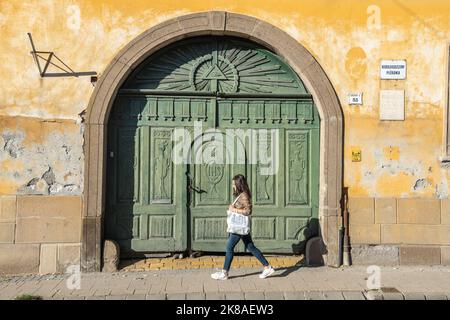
{"points": [[45, 59]]}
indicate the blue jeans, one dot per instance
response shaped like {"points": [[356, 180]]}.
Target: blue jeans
{"points": [[233, 240]]}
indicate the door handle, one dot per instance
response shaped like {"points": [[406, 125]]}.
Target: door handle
{"points": [[191, 183], [196, 189], [190, 188]]}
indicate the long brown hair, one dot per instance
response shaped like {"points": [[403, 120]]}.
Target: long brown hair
{"points": [[241, 185]]}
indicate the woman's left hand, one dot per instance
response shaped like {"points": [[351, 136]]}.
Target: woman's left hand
{"points": [[231, 207]]}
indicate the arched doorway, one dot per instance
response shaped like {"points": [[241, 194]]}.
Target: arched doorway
{"points": [[232, 86], [224, 24]]}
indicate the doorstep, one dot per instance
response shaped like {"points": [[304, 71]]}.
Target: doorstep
{"points": [[205, 262]]}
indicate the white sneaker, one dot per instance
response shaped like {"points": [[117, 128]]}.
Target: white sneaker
{"points": [[220, 275], [266, 272]]}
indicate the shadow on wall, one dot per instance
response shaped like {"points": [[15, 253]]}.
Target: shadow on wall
{"points": [[121, 195], [312, 247]]}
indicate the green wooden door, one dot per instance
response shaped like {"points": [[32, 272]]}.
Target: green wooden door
{"points": [[230, 86]]}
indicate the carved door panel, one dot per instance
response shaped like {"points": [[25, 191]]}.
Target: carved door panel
{"points": [[285, 204], [143, 211], [212, 170]]}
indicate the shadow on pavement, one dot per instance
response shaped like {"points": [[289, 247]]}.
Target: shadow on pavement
{"points": [[285, 271]]}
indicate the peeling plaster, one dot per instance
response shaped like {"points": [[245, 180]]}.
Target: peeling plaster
{"points": [[442, 190], [47, 185], [421, 184], [49, 176], [12, 142], [41, 157]]}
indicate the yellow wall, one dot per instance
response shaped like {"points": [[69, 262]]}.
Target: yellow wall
{"points": [[348, 38]]}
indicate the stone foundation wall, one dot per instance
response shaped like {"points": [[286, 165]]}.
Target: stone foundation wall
{"points": [[39, 234], [389, 231], [42, 234]]}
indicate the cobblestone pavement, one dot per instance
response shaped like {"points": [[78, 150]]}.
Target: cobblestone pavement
{"points": [[296, 283]]}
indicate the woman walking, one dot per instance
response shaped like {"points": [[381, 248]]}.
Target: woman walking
{"points": [[241, 205]]}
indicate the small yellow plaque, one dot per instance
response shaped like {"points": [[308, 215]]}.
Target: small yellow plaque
{"points": [[356, 155]]}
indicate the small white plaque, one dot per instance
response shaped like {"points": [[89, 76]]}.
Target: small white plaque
{"points": [[355, 98], [393, 69], [392, 105]]}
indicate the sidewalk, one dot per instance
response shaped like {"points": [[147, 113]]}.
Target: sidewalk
{"points": [[296, 283]]}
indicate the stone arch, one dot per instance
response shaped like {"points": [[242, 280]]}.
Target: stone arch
{"points": [[201, 24]]}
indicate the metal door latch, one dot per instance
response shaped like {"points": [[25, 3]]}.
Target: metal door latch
{"points": [[191, 183]]}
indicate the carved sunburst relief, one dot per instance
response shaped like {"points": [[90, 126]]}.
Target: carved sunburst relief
{"points": [[228, 66]]}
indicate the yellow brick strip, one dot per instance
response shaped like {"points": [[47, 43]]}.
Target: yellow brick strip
{"points": [[205, 262]]}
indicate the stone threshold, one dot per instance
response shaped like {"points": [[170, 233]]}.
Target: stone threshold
{"points": [[206, 262]]}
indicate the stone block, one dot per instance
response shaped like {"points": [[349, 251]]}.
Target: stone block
{"points": [[48, 219], [419, 211], [274, 296], [19, 258], [136, 297], [68, 255], [373, 295], [314, 295], [297, 295], [237, 22], [415, 234], [7, 232], [435, 296], [48, 257], [254, 296], [393, 296], [194, 22], [333, 295], [315, 249], [365, 234], [361, 210], [234, 296], [111, 256], [95, 298], [93, 189], [330, 225], [196, 296], [119, 297], [445, 211], [91, 244], [8, 209], [215, 296], [353, 295], [73, 298], [420, 255], [375, 255], [385, 210], [156, 297], [414, 296], [445, 255], [217, 21], [176, 296]]}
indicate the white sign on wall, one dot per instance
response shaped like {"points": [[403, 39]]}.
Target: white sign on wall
{"points": [[392, 105], [355, 98], [393, 69]]}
